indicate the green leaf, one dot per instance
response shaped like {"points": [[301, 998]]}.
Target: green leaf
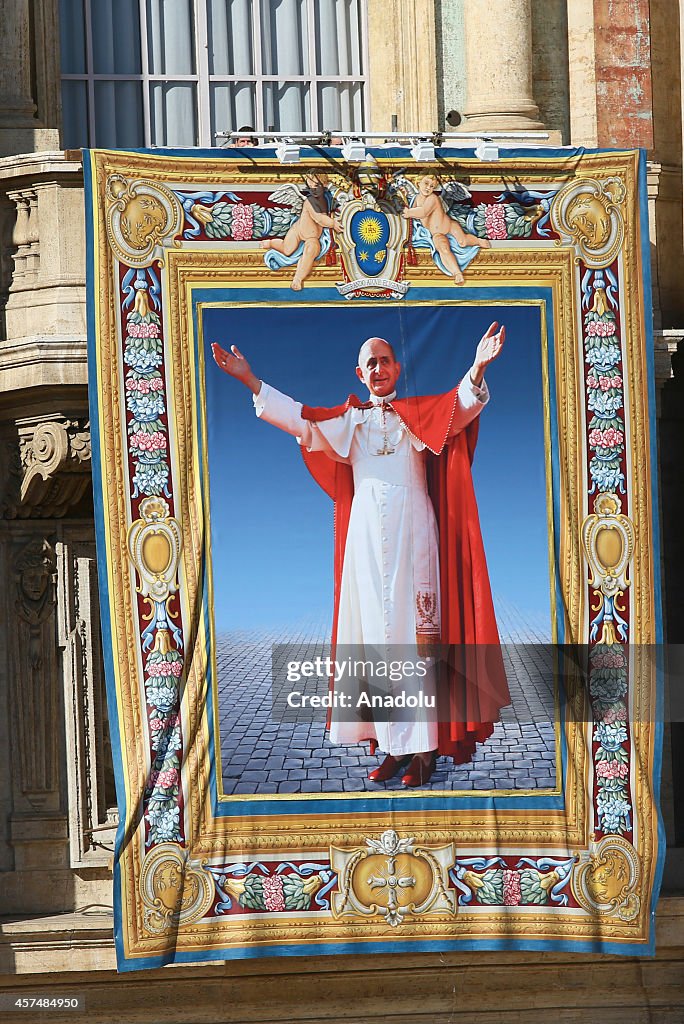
{"points": [[295, 897], [253, 896], [530, 889], [491, 892]]}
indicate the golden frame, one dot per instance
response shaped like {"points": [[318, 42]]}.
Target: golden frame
{"points": [[186, 266]]}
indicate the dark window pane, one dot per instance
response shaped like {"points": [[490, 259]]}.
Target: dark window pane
{"points": [[74, 115], [72, 37], [116, 37], [118, 115]]}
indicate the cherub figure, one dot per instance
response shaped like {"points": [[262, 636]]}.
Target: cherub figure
{"points": [[307, 230], [429, 210]]}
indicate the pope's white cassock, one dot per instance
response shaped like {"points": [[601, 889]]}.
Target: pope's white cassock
{"points": [[390, 575]]}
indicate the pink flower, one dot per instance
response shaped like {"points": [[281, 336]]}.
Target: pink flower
{"points": [[273, 893], [156, 384], [604, 328], [511, 888], [495, 221], [142, 330], [168, 778], [609, 438], [612, 770], [592, 330], [144, 442], [612, 715], [243, 223], [156, 725], [592, 382]]}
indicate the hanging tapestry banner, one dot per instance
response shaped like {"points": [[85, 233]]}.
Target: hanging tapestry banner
{"points": [[374, 475]]}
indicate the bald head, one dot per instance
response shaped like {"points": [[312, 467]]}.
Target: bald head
{"points": [[378, 367], [368, 346]]}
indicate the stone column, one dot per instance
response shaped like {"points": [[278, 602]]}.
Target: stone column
{"points": [[29, 76], [499, 67], [17, 109]]}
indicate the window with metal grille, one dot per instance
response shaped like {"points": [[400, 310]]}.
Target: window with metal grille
{"points": [[175, 72]]}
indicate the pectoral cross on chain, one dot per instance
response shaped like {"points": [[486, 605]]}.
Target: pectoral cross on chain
{"points": [[387, 448]]}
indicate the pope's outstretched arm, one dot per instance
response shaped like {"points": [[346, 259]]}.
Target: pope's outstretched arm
{"points": [[473, 393], [272, 406]]}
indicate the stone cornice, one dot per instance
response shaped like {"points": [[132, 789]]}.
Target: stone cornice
{"points": [[41, 362], [39, 165]]}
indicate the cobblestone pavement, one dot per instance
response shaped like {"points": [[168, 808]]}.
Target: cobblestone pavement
{"points": [[262, 753]]}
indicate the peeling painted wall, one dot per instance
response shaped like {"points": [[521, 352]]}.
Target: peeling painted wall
{"points": [[623, 73]]}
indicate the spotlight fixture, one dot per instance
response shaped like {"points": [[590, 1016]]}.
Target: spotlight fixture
{"points": [[486, 150], [353, 150], [423, 150], [287, 152]]}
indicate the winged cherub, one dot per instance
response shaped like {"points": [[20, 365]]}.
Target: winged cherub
{"points": [[429, 209], [306, 232]]}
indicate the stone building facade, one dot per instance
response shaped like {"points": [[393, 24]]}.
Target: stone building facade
{"points": [[592, 73]]}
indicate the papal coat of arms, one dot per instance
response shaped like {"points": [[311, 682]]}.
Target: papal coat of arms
{"points": [[371, 245]]}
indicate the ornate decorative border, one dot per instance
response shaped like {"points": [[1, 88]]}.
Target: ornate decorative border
{"points": [[161, 228]]}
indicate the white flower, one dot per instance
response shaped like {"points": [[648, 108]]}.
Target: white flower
{"points": [[162, 696], [613, 812], [610, 735], [165, 822]]}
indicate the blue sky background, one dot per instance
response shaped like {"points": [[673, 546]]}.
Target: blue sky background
{"points": [[272, 527]]}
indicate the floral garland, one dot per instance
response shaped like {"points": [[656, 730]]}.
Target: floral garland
{"points": [[163, 670], [288, 887], [495, 882], [505, 219], [148, 448], [604, 383], [608, 681], [608, 690], [144, 385]]}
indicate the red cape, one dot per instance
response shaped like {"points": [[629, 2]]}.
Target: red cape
{"points": [[476, 689]]}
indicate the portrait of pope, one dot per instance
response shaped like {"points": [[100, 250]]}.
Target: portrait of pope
{"points": [[409, 562]]}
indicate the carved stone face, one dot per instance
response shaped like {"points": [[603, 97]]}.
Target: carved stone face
{"points": [[591, 219], [34, 581]]}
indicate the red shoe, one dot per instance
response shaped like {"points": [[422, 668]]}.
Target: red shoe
{"points": [[419, 772], [389, 768]]}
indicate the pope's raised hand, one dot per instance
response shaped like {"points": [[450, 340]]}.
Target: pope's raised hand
{"points": [[235, 364], [232, 362], [490, 345]]}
